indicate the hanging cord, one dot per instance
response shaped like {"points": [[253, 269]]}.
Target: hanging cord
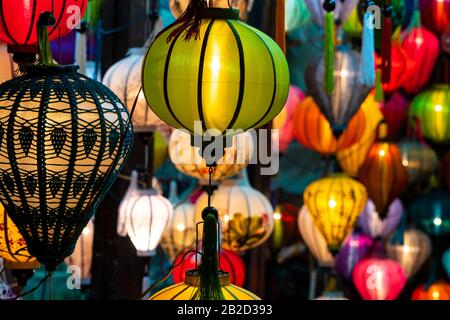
{"points": [[386, 45], [189, 21], [328, 46], [34, 289]]}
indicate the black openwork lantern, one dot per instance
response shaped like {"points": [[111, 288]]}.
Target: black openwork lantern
{"points": [[63, 140]]}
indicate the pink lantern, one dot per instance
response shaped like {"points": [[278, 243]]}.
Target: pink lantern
{"points": [[401, 68], [379, 279], [395, 112], [422, 46]]}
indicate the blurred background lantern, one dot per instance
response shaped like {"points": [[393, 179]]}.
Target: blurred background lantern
{"points": [[189, 290], [348, 94], [432, 108], [431, 212], [332, 295], [383, 174], [183, 97], [285, 230], [352, 26], [420, 160], [312, 129], [352, 158], [314, 239], [341, 12], [284, 122], [435, 14], [188, 160], [124, 79], [245, 213], [439, 290], [64, 49], [411, 248], [229, 262], [446, 261], [335, 203], [395, 112], [355, 248], [180, 234], [422, 47], [372, 224], [401, 67], [379, 279], [82, 255], [146, 215], [7, 65], [177, 7], [297, 15]]}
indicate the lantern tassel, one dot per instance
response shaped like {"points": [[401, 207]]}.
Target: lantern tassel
{"points": [[329, 53], [46, 19], [190, 21], [367, 67], [386, 48], [210, 288]]}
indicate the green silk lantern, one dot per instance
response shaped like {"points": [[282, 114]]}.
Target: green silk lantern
{"points": [[432, 109], [212, 77]]}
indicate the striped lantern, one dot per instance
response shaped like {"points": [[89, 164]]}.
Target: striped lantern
{"points": [[439, 290], [420, 160], [435, 14], [211, 82]]}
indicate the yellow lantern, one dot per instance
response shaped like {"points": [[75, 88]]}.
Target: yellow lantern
{"points": [[187, 159], [189, 290], [352, 158], [213, 79], [13, 248], [335, 203], [177, 7]]}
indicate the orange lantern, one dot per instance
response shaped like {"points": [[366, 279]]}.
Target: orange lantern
{"points": [[313, 130], [437, 291], [383, 174]]}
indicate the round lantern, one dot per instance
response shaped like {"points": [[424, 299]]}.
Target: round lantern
{"points": [[383, 174], [431, 212], [436, 291], [370, 222], [423, 48], [435, 14], [177, 7], [187, 159], [411, 248], [341, 12], [395, 112], [229, 261], [350, 159], [64, 140], [432, 108], [124, 79], [348, 94], [335, 203], [13, 247], [7, 65], [222, 90], [145, 217], [18, 22], [82, 255], [189, 290], [314, 238], [419, 159], [312, 129], [245, 213], [446, 261], [355, 248], [401, 67], [379, 279], [297, 15]]}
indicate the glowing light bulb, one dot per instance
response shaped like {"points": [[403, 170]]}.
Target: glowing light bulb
{"points": [[435, 295], [332, 203], [406, 249], [86, 231], [344, 73], [226, 218], [405, 163], [438, 108], [382, 153], [437, 221], [277, 216], [419, 41], [181, 227]]}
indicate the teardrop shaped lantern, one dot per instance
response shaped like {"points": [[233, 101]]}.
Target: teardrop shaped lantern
{"points": [[420, 160], [383, 174], [335, 203], [245, 213], [124, 79], [411, 248], [435, 14], [7, 65], [439, 290], [206, 79], [313, 130], [187, 159], [314, 238], [379, 279], [348, 94], [372, 224], [432, 108]]}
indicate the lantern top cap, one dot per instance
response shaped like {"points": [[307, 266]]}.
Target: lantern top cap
{"points": [[219, 13], [51, 69], [193, 278]]}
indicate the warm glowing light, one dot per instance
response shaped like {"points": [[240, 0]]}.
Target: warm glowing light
{"points": [[419, 41], [437, 221], [226, 218], [406, 249], [435, 295], [86, 231], [332, 203], [277, 216], [438, 108], [181, 227], [405, 163], [344, 73], [382, 153]]}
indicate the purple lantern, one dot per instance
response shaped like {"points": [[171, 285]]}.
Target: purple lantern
{"points": [[356, 247], [371, 224]]}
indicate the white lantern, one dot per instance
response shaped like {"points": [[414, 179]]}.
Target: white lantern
{"points": [[412, 253], [82, 255], [124, 79], [245, 214], [314, 238], [144, 215], [7, 65], [180, 235]]}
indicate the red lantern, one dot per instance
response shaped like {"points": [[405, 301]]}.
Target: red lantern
{"points": [[229, 262], [395, 112], [401, 67], [422, 46], [383, 174], [19, 17], [435, 14], [379, 279], [437, 291]]}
